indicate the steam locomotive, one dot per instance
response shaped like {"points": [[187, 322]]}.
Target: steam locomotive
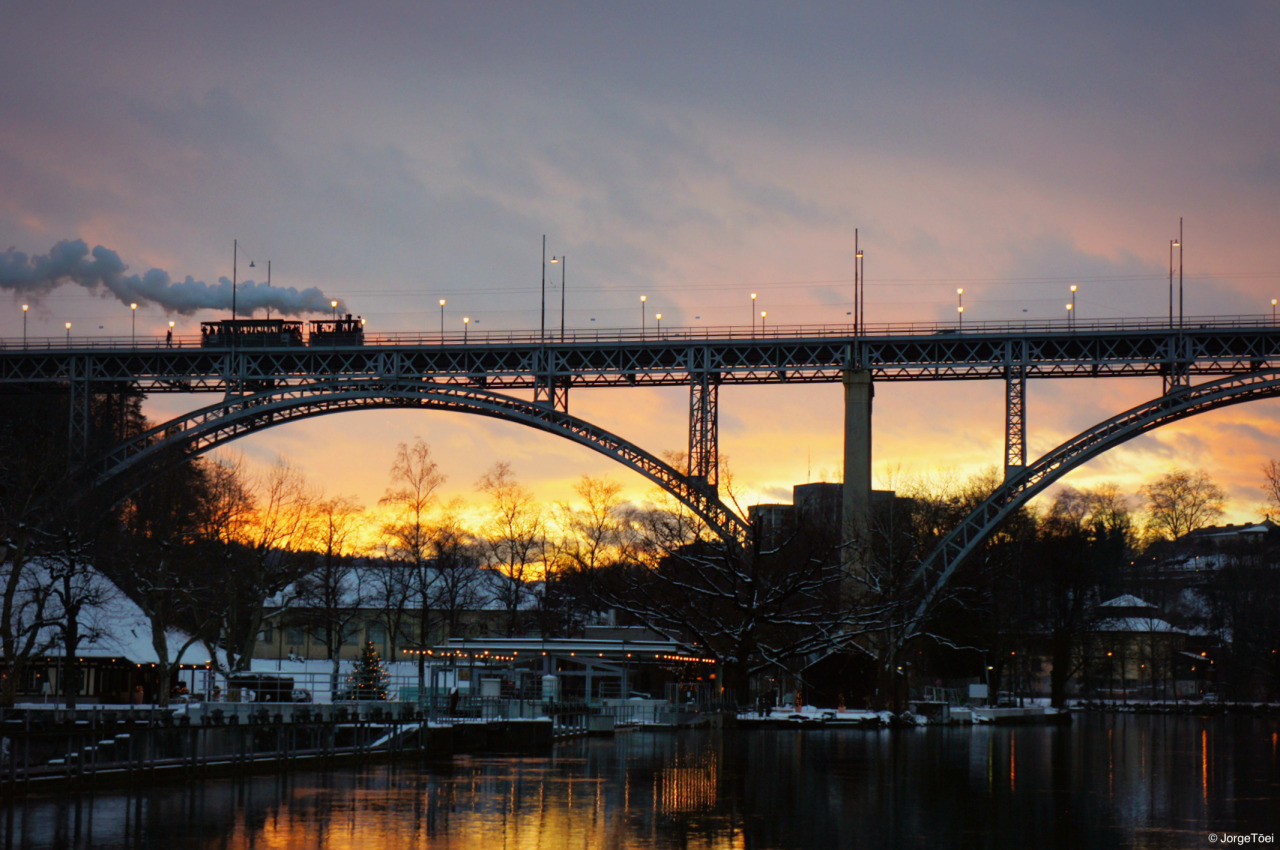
{"points": [[259, 333]]}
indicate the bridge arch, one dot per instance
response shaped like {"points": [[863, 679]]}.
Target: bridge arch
{"points": [[937, 568], [133, 462]]}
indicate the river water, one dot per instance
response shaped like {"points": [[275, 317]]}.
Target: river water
{"points": [[1105, 781]]}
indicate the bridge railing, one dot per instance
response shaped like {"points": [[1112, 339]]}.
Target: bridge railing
{"points": [[719, 333]]}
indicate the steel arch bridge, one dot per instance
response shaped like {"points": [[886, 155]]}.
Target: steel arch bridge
{"points": [[133, 462], [938, 567]]}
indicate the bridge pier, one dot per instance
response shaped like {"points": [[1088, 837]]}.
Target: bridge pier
{"points": [[704, 432], [856, 501], [1015, 420]]}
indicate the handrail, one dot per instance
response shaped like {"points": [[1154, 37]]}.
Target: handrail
{"points": [[703, 333]]}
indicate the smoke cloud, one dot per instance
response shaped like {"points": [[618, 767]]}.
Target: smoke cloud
{"points": [[102, 271]]}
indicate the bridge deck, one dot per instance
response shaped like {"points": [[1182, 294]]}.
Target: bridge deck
{"points": [[513, 360]]}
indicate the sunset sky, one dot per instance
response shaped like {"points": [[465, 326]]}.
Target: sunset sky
{"points": [[392, 154]]}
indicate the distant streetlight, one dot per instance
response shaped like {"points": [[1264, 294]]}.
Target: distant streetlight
{"points": [[133, 334], [333, 305], [659, 317], [1173, 243], [764, 315], [169, 338], [561, 261], [26, 307], [1073, 304], [960, 307], [1070, 321], [859, 287], [753, 314], [466, 322], [68, 333], [643, 299], [1179, 272], [442, 318], [24, 327]]}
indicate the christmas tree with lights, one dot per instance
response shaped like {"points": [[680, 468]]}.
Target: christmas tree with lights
{"points": [[370, 677]]}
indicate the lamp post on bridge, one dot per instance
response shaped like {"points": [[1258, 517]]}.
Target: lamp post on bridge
{"points": [[753, 314], [859, 288], [764, 316], [68, 334], [333, 305], [960, 308], [1073, 305], [466, 322], [1273, 319], [659, 318], [562, 263], [1179, 243], [133, 331], [26, 307], [1071, 323], [643, 299], [442, 302]]}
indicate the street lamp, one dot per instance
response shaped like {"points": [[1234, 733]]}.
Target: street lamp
{"points": [[1072, 315], [1174, 243], [1179, 272], [1070, 321], [960, 307], [133, 333], [68, 334], [561, 260], [764, 314], [24, 326], [659, 317], [169, 339], [442, 318], [333, 305], [643, 299], [753, 314], [26, 307], [466, 321], [859, 287]]}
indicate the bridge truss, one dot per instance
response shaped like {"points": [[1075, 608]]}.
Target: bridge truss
{"points": [[487, 372]]}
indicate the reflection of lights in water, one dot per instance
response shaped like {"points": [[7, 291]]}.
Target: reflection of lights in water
{"points": [[1204, 765], [1013, 762], [690, 784]]}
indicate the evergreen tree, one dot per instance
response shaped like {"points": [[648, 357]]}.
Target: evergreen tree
{"points": [[369, 679]]}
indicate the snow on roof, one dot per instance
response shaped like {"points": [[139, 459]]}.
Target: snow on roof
{"points": [[1128, 600], [1145, 625], [117, 628]]}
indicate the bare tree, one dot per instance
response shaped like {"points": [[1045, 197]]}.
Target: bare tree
{"points": [[329, 598], [261, 528], [158, 557], [514, 539], [1271, 487], [593, 535], [457, 574], [407, 579], [1180, 501]]}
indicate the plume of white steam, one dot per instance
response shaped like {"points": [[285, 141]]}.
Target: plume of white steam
{"points": [[71, 261]]}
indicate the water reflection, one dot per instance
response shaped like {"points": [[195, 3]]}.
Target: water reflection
{"points": [[1124, 781]]}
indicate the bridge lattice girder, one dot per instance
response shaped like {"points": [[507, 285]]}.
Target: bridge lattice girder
{"points": [[1171, 354], [937, 568], [201, 430]]}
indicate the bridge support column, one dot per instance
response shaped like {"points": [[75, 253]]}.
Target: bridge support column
{"points": [[856, 508], [1015, 420], [704, 430], [78, 406]]}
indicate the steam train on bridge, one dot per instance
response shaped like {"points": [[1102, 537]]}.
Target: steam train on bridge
{"points": [[280, 333]]}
